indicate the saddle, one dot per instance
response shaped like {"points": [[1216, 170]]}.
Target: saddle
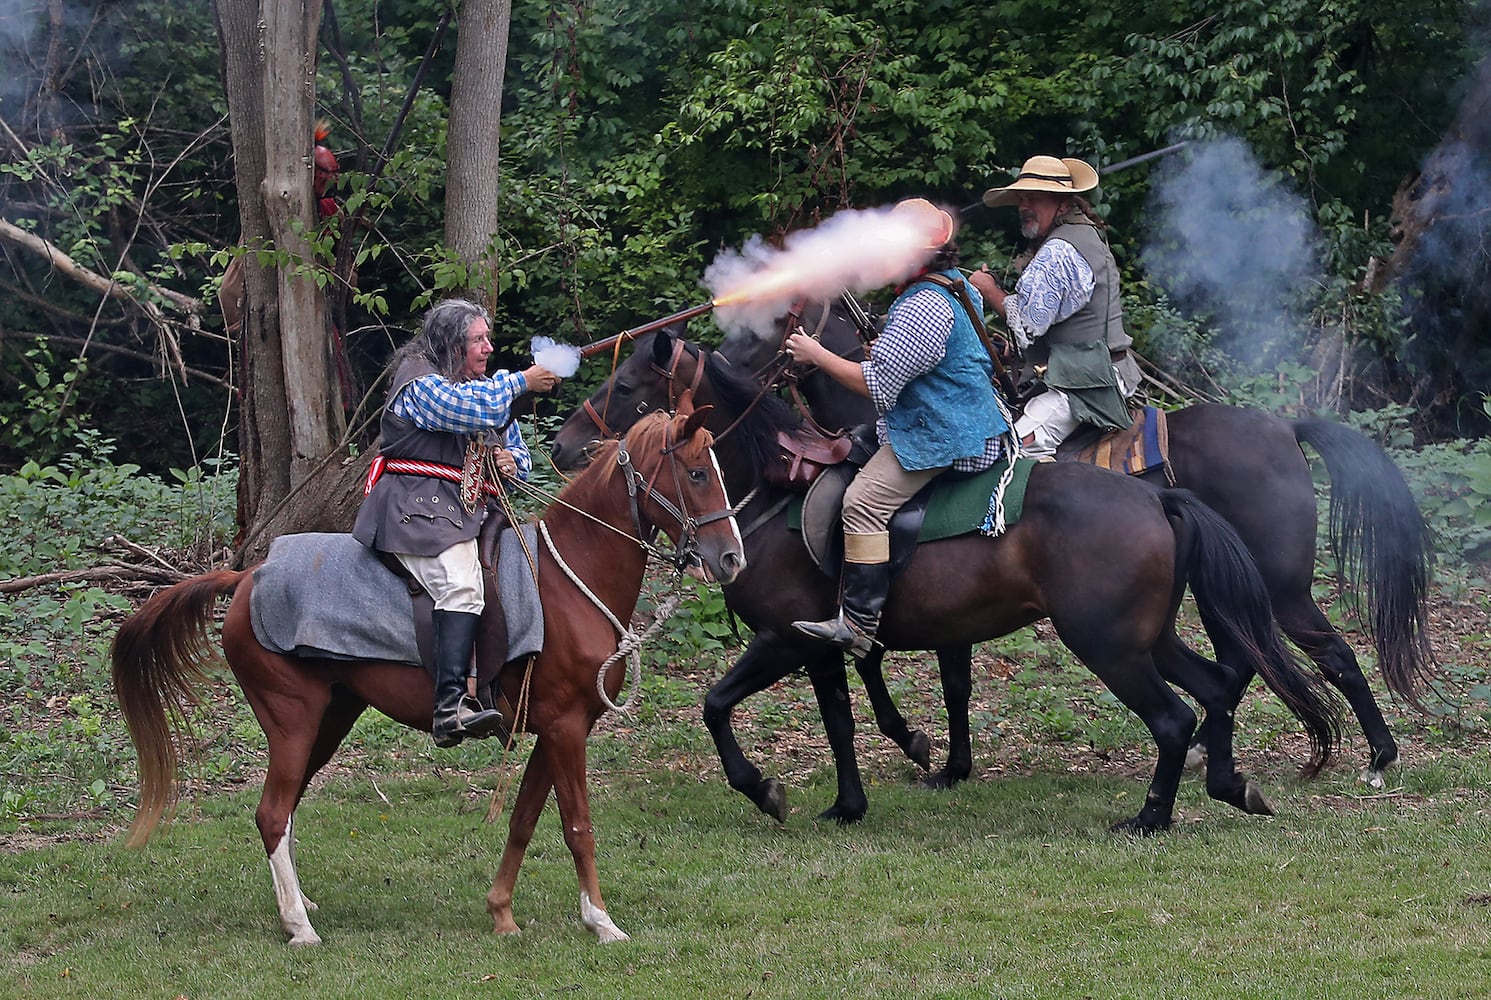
{"points": [[803, 455], [955, 503], [328, 596]]}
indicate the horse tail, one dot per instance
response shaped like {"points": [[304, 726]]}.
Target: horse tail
{"points": [[158, 657], [1384, 552], [1233, 601]]}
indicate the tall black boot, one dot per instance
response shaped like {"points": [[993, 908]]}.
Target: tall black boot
{"points": [[456, 718], [865, 587]]}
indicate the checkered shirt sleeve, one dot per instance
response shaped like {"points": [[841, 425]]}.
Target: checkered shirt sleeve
{"points": [[435, 403], [913, 342]]}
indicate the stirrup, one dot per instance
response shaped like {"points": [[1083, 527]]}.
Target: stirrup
{"points": [[469, 721], [841, 632]]}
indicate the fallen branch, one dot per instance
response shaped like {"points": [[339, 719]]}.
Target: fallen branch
{"points": [[107, 572]]}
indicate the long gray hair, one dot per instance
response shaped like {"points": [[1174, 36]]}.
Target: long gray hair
{"points": [[442, 337]]}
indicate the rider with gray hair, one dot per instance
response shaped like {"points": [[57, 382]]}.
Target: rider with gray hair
{"points": [[445, 422]]}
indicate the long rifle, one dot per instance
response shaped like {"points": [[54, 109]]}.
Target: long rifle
{"points": [[609, 343]]}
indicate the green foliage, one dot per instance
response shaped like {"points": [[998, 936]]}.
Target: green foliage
{"points": [[39, 421], [54, 640]]}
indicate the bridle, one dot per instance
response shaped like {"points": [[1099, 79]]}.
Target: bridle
{"points": [[669, 374], [686, 553]]}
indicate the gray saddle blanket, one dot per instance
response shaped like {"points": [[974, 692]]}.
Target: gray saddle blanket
{"points": [[328, 595]]}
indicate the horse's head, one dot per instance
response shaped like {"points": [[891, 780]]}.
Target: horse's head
{"points": [[654, 378], [676, 486], [648, 380]]}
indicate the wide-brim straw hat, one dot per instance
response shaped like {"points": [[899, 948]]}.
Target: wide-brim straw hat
{"points": [[927, 218], [1045, 173]]}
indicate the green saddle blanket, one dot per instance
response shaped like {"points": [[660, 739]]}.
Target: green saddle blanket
{"points": [[961, 505]]}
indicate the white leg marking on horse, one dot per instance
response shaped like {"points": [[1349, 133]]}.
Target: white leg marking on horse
{"points": [[599, 921], [1373, 778], [287, 896]]}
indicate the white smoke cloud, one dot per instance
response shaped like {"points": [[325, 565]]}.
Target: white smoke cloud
{"points": [[855, 250], [1231, 240], [561, 359]]}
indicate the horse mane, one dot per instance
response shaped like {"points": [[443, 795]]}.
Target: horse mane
{"points": [[736, 392], [649, 435]]}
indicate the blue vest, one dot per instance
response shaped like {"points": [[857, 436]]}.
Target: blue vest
{"points": [[949, 412]]}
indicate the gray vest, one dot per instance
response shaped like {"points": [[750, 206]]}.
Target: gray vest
{"points": [[1081, 351], [1102, 317], [416, 515]]}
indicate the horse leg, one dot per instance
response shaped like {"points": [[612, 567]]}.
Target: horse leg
{"points": [[533, 794], [913, 742], [289, 718], [1303, 622], [763, 663], [955, 665], [566, 755], [1209, 683], [830, 686], [1134, 680], [344, 710]]}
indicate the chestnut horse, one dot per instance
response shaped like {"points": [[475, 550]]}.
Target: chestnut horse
{"points": [[597, 533], [1248, 466], [1105, 557]]}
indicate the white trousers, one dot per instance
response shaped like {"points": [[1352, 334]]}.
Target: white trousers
{"points": [[1048, 421], [453, 578]]}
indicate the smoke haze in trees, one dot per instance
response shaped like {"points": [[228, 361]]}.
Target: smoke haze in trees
{"points": [[1229, 240], [856, 250]]}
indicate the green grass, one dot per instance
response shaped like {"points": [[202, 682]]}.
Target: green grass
{"points": [[1004, 887]]}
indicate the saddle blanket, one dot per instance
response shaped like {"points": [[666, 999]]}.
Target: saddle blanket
{"points": [[327, 595], [962, 505], [1143, 445]]}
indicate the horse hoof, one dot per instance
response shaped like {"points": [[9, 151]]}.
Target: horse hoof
{"points": [[1139, 827], [305, 939], [1373, 778], [1254, 802], [773, 800], [1195, 758], [842, 815], [940, 781], [920, 750]]}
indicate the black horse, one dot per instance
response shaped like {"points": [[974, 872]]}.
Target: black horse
{"points": [[1105, 557], [1248, 466]]}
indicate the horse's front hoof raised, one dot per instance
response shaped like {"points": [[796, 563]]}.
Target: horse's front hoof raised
{"points": [[773, 800], [920, 750], [1254, 803]]}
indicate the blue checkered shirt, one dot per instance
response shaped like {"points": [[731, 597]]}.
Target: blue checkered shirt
{"points": [[914, 342], [435, 403]]}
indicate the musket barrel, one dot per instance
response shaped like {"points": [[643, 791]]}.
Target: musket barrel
{"points": [[606, 344]]}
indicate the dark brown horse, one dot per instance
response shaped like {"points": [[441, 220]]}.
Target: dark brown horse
{"points": [[663, 476], [1248, 466], [1105, 557]]}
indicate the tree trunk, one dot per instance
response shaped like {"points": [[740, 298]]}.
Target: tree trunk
{"points": [[290, 416], [473, 130]]}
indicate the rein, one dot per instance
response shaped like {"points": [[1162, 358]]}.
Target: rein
{"points": [[629, 643]]}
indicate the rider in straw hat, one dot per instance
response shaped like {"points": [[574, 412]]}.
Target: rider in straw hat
{"points": [[1065, 309], [929, 379]]}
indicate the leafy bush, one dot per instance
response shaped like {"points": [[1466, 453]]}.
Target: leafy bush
{"points": [[55, 751]]}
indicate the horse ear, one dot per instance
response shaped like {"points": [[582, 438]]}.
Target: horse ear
{"points": [[695, 421], [662, 348], [685, 403]]}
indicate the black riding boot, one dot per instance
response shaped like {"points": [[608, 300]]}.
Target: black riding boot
{"points": [[865, 587], [456, 717]]}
